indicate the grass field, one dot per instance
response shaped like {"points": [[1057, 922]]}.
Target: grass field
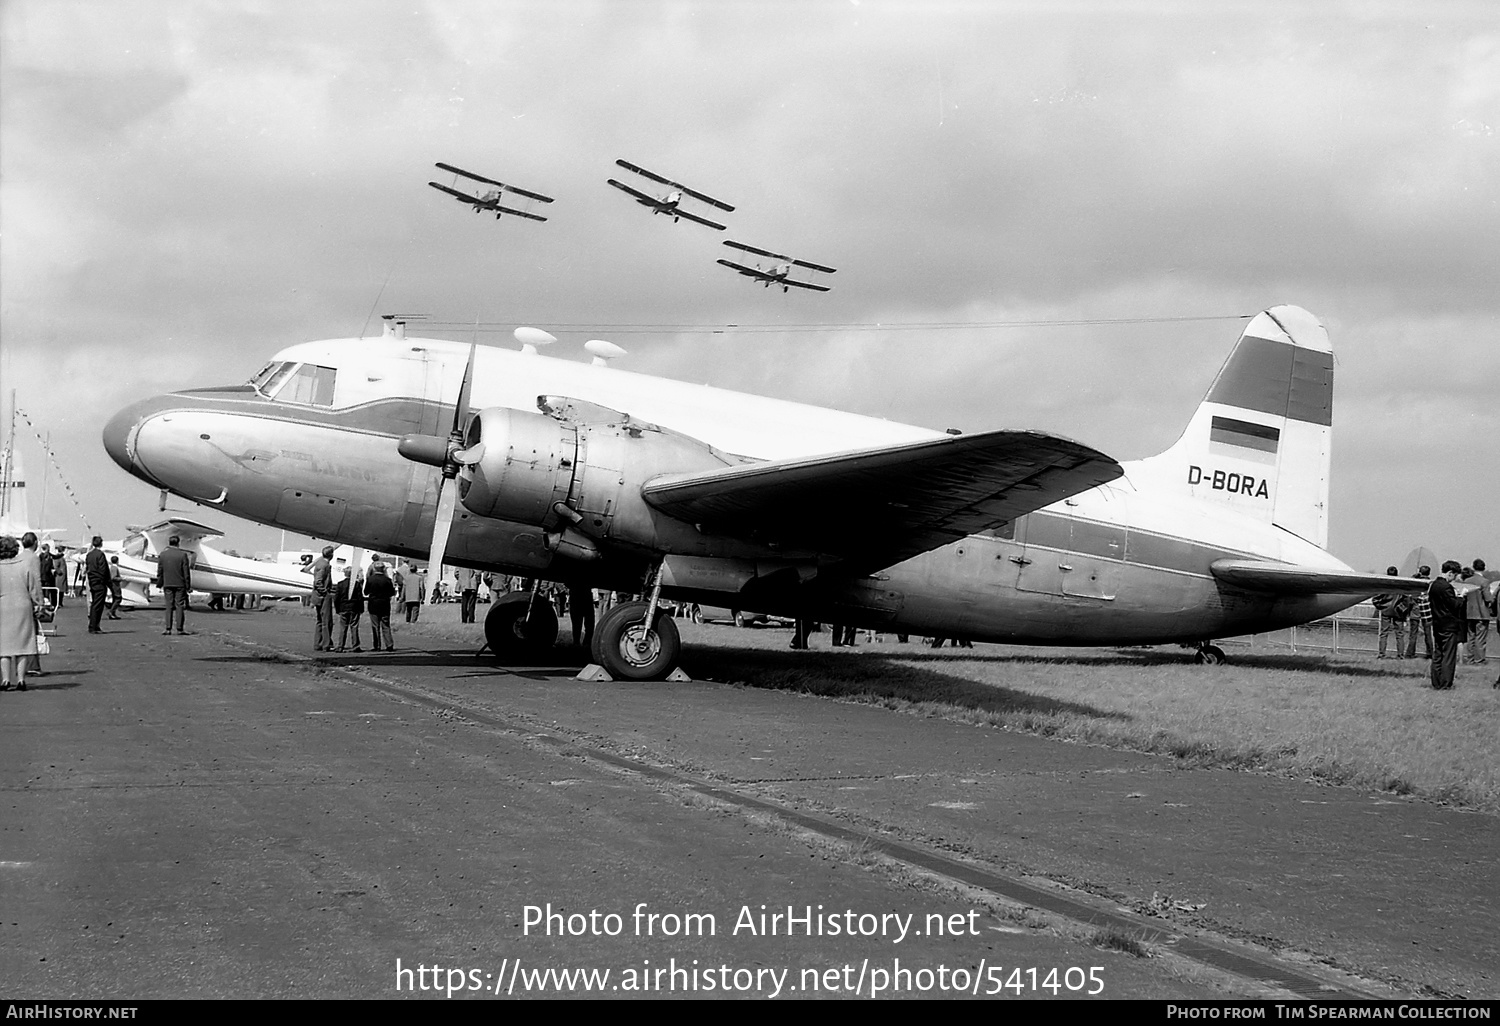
{"points": [[1345, 719]]}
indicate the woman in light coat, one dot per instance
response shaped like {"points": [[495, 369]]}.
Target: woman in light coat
{"points": [[20, 598]]}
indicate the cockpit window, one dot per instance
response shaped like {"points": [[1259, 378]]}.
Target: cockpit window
{"points": [[308, 384], [264, 375], [276, 378]]}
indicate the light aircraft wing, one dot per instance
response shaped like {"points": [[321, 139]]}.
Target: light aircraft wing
{"points": [[815, 267], [676, 185], [466, 174], [873, 508], [640, 196], [679, 212], [751, 249], [1289, 579], [189, 533], [490, 181], [752, 272], [804, 285], [454, 192], [519, 213]]}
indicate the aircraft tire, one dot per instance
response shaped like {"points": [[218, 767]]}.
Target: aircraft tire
{"points": [[1211, 655], [624, 647], [512, 635]]}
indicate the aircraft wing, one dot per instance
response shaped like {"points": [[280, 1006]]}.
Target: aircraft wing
{"points": [[1290, 579], [706, 199], [873, 508], [628, 166], [752, 272], [527, 193], [641, 196], [815, 267], [751, 249], [519, 213], [189, 533], [487, 181], [454, 192], [804, 285], [679, 212]]}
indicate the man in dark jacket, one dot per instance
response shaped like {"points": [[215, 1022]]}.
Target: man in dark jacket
{"points": [[174, 576], [349, 603], [379, 590], [1448, 626], [322, 600], [96, 569]]}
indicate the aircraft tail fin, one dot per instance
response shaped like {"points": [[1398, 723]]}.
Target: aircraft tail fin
{"points": [[1260, 442]]}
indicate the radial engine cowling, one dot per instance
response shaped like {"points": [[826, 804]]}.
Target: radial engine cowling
{"points": [[580, 478], [527, 466]]}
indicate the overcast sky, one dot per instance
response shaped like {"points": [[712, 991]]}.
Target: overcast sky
{"points": [[186, 188]]}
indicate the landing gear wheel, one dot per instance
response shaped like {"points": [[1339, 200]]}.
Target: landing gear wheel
{"points": [[629, 650], [513, 635], [1211, 655]]}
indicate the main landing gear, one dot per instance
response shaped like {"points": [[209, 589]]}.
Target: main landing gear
{"points": [[520, 627], [628, 649], [1210, 655], [638, 640]]}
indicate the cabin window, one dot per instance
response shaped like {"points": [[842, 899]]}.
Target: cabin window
{"points": [[310, 385]]}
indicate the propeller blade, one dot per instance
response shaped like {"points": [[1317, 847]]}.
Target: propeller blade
{"points": [[470, 456], [461, 411], [447, 499]]}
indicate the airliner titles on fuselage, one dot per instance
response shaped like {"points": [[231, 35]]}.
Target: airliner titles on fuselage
{"points": [[1229, 481]]}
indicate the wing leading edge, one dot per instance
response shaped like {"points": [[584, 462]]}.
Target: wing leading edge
{"points": [[874, 508], [1289, 579]]}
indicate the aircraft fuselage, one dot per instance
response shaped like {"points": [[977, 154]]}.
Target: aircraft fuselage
{"points": [[1118, 564]]}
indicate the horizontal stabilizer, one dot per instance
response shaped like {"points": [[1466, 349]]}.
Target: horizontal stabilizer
{"points": [[1288, 579], [873, 508]]}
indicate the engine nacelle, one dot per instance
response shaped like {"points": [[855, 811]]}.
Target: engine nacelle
{"points": [[581, 481], [527, 466]]}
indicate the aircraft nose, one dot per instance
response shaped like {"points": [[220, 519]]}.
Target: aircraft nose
{"points": [[120, 433], [117, 436]]}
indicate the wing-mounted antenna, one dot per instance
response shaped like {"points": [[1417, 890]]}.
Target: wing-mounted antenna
{"points": [[602, 351], [531, 338]]}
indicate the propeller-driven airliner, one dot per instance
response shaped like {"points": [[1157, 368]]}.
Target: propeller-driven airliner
{"points": [[552, 468], [671, 203], [489, 199]]}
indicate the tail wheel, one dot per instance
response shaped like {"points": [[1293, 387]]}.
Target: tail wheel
{"points": [[630, 650], [512, 634], [1211, 655]]}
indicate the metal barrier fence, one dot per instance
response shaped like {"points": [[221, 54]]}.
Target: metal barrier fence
{"points": [[1336, 634]]}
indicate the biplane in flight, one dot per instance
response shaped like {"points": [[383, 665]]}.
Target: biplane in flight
{"points": [[671, 203], [779, 273], [490, 198]]}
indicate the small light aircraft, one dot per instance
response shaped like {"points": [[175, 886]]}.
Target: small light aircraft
{"points": [[213, 571], [490, 198], [778, 273], [671, 202], [549, 468]]}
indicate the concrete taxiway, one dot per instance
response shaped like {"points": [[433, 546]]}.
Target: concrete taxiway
{"points": [[218, 815]]}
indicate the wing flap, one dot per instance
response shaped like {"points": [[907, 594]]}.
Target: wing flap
{"points": [[876, 507], [1290, 579]]}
